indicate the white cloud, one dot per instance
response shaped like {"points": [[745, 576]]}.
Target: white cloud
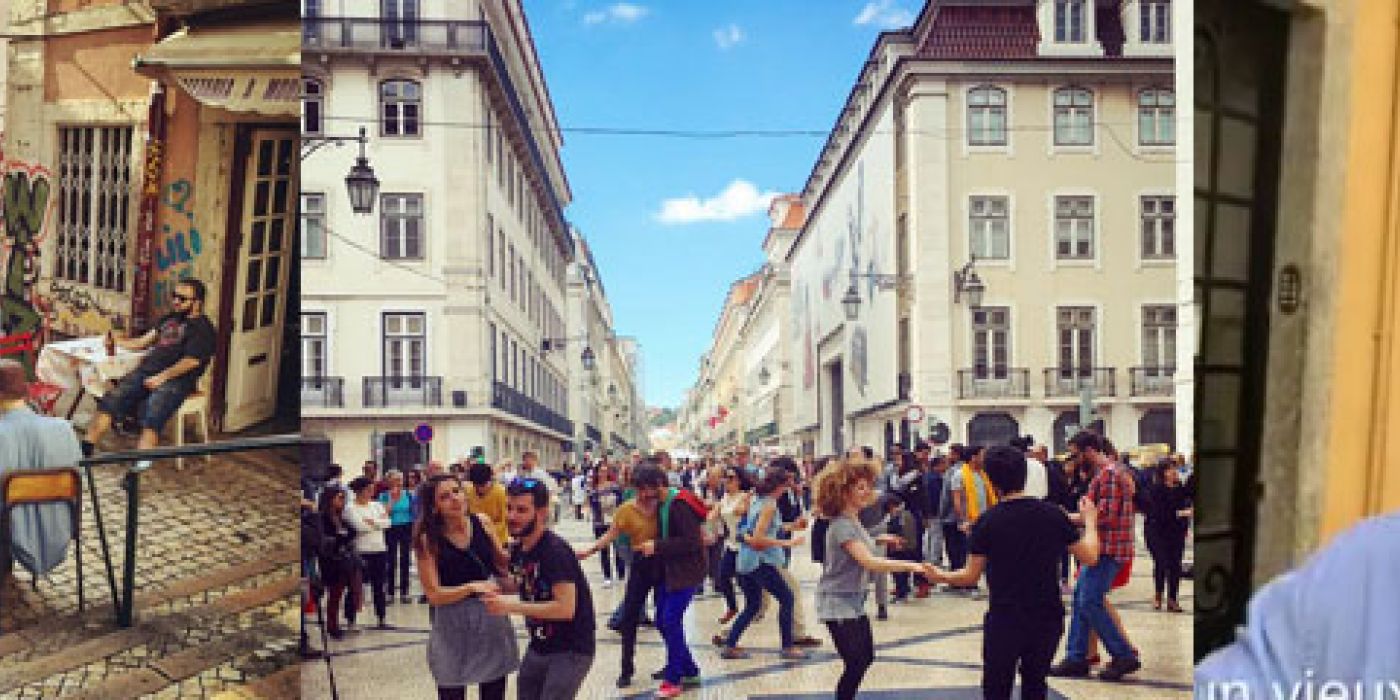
{"points": [[620, 13], [740, 199], [727, 37], [885, 15]]}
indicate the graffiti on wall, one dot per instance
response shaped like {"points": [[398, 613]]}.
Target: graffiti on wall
{"points": [[25, 205], [180, 244]]}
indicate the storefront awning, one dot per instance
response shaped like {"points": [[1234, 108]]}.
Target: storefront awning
{"points": [[248, 67]]}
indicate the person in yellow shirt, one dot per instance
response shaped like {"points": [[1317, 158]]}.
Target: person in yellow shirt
{"points": [[488, 498], [634, 520]]}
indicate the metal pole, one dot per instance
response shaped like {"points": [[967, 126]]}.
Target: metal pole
{"points": [[133, 503], [102, 538]]}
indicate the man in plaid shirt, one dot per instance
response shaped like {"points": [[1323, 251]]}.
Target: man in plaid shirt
{"points": [[1112, 492]]}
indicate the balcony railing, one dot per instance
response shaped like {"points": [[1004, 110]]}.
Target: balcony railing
{"points": [[325, 392], [417, 37], [1152, 381], [516, 403], [392, 392], [1069, 381], [994, 383]]}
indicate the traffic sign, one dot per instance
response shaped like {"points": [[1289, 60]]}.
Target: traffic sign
{"points": [[914, 414], [423, 433]]}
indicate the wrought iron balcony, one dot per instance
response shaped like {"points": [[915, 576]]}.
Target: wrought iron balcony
{"points": [[515, 403], [323, 392], [1070, 381], [394, 392], [994, 383], [1152, 381], [416, 37]]}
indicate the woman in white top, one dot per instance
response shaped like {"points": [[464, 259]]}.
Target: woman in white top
{"points": [[732, 507], [367, 518]]}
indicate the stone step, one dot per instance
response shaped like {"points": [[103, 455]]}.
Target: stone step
{"points": [[168, 649], [22, 645]]}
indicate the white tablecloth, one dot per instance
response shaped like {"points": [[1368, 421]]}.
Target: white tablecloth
{"points": [[84, 363]]}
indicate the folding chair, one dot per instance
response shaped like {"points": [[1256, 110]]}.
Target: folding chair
{"points": [[34, 487], [25, 344]]}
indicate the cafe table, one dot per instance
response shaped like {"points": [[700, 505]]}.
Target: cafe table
{"points": [[82, 365]]}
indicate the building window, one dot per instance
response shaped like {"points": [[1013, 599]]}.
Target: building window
{"points": [[990, 228], [986, 116], [401, 105], [1155, 21], [1074, 117], [1159, 337], [405, 344], [313, 95], [1075, 327], [991, 342], [1071, 22], [310, 28], [501, 255], [1158, 228], [401, 222], [491, 245], [491, 328], [313, 226], [94, 206], [400, 22], [1156, 117], [313, 345], [1074, 228]]}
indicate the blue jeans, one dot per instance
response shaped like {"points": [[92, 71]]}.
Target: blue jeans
{"points": [[765, 577], [670, 616], [156, 407], [1089, 613]]}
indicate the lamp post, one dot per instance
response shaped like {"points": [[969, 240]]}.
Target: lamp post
{"points": [[361, 183], [967, 283]]}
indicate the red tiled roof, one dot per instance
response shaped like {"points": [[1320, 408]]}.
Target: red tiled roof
{"points": [[982, 32]]}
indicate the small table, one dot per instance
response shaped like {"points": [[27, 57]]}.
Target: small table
{"points": [[84, 365]]}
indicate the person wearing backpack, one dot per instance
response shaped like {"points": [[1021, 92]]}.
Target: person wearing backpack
{"points": [[680, 549]]}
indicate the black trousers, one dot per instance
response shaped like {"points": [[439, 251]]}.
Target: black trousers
{"points": [[901, 578], [643, 579], [1167, 548], [397, 539], [1010, 640], [605, 554], [376, 573], [491, 690], [856, 645]]}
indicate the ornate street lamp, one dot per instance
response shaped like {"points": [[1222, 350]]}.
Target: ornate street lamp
{"points": [[361, 182], [967, 283], [851, 302], [589, 360]]}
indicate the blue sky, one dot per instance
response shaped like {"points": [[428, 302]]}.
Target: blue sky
{"points": [[674, 221]]}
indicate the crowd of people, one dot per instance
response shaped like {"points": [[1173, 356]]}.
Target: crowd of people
{"points": [[669, 530]]}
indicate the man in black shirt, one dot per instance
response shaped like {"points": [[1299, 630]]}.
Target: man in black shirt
{"points": [[181, 345], [1019, 542], [553, 597]]}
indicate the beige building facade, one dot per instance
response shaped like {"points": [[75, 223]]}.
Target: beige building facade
{"points": [[1046, 159], [434, 310]]}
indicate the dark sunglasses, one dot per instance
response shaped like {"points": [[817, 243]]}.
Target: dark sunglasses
{"points": [[181, 297]]}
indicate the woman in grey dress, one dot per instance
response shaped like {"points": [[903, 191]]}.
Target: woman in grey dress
{"points": [[458, 559]]}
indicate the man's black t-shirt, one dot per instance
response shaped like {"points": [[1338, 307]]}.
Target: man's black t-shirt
{"points": [[554, 561], [179, 336], [1023, 540]]}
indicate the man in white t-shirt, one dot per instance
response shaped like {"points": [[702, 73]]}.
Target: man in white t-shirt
{"points": [[1037, 479]]}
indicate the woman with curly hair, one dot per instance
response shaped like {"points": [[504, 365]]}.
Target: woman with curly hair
{"points": [[841, 490]]}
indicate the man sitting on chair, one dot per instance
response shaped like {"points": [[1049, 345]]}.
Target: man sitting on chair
{"points": [[41, 532], [183, 343]]}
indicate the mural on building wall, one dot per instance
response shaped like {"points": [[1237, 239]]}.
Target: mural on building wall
{"points": [[25, 206], [180, 244]]}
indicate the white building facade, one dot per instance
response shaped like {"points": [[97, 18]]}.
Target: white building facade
{"points": [[435, 310], [1038, 138]]}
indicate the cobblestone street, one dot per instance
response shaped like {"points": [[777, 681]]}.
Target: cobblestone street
{"points": [[216, 590], [929, 649]]}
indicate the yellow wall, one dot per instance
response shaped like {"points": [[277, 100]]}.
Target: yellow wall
{"points": [[1363, 467]]}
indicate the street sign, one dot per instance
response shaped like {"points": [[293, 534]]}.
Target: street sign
{"points": [[423, 433], [915, 414]]}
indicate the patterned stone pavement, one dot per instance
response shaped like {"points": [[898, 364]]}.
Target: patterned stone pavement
{"points": [[928, 650], [216, 581]]}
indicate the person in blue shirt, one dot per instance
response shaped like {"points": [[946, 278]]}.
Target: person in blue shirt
{"points": [[1332, 623], [398, 501]]}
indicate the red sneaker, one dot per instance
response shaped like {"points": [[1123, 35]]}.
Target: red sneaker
{"points": [[669, 690]]}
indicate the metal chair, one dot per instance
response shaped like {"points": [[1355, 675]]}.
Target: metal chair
{"points": [[36, 487]]}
